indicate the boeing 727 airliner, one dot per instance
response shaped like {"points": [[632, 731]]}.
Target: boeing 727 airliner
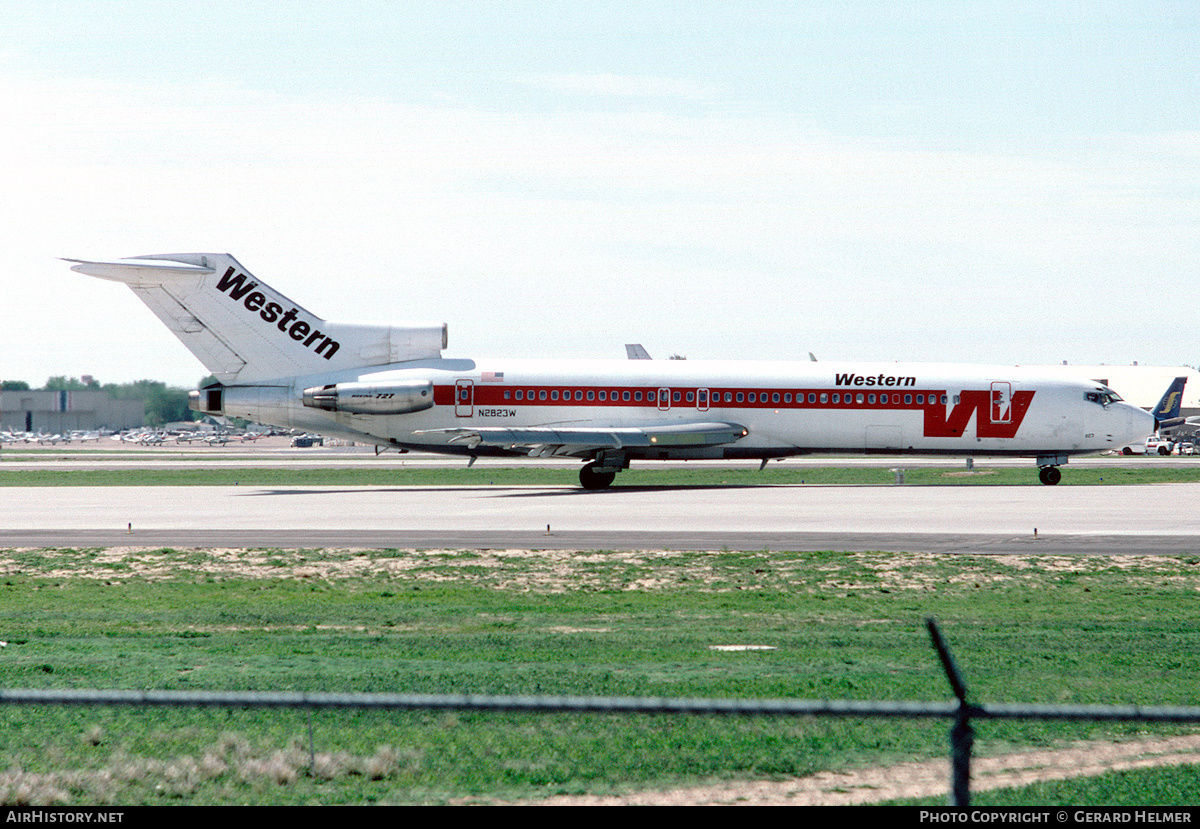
{"points": [[277, 363]]}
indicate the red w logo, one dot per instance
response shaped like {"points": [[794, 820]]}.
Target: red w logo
{"points": [[998, 413]]}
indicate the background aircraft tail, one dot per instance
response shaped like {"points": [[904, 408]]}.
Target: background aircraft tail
{"points": [[245, 331], [1166, 413], [1168, 406]]}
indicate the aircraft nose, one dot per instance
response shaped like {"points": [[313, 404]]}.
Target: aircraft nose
{"points": [[1142, 423]]}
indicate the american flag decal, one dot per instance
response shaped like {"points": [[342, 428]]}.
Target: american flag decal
{"points": [[493, 377]]}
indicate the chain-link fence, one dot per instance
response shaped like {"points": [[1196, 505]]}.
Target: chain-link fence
{"points": [[886, 781]]}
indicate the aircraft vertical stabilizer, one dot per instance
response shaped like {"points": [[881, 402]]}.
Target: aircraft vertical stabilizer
{"points": [[244, 331], [1167, 411]]}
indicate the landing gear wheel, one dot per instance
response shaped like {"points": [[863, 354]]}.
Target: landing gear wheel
{"points": [[1049, 475], [589, 478]]}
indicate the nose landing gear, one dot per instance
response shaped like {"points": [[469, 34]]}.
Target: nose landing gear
{"points": [[1048, 467]]}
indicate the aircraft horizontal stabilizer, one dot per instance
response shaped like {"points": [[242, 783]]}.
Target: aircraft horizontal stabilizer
{"points": [[137, 271]]}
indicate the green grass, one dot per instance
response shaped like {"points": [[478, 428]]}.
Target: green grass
{"points": [[1166, 786], [647, 475], [1158, 786], [1086, 630]]}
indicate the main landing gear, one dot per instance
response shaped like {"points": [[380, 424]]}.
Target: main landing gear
{"points": [[600, 472], [591, 478]]}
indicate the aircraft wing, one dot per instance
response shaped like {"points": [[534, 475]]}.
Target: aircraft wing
{"points": [[576, 440]]}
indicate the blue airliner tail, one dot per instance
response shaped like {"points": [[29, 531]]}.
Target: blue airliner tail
{"points": [[1168, 406]]}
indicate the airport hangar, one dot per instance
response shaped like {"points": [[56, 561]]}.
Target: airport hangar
{"points": [[56, 412]]}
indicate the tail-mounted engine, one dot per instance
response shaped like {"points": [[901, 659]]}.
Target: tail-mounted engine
{"points": [[209, 400], [401, 397]]}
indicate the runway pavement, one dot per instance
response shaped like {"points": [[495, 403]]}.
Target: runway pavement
{"points": [[274, 453], [1145, 519]]}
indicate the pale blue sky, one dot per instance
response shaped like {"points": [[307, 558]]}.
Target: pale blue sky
{"points": [[985, 182]]}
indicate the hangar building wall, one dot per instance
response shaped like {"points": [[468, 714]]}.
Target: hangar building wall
{"points": [[54, 412]]}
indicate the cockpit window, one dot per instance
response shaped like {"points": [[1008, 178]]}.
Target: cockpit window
{"points": [[1103, 397]]}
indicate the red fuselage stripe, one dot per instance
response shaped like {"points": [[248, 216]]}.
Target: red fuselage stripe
{"points": [[647, 397]]}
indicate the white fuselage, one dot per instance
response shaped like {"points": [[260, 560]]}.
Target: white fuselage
{"points": [[786, 408]]}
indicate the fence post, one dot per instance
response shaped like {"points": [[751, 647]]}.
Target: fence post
{"points": [[962, 740], [962, 736]]}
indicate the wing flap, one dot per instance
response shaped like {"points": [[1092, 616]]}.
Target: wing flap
{"points": [[578, 438]]}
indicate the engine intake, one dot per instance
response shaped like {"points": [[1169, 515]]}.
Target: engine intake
{"points": [[402, 397]]}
